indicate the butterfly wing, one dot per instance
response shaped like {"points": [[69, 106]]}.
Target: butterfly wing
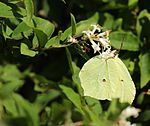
{"points": [[106, 79], [121, 80], [94, 79]]}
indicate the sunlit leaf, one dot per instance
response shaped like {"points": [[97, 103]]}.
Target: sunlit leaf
{"points": [[5, 11], [73, 24], [10, 106], [29, 9], [35, 42], [132, 2], [7, 31], [55, 42], [82, 25], [44, 25], [21, 28], [26, 51]]}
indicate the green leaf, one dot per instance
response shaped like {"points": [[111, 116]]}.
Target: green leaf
{"points": [[6, 11], [41, 83], [7, 31], [142, 14], [118, 24], [108, 21], [14, 1], [73, 24], [74, 71], [145, 115], [10, 106], [43, 25], [26, 51], [54, 42], [7, 89], [69, 60], [132, 2], [10, 72], [29, 9], [130, 41], [94, 105], [29, 111], [84, 25], [21, 28], [144, 68], [75, 75], [81, 26], [43, 99], [114, 109], [72, 96], [140, 98], [10, 80], [41, 36], [129, 64], [35, 42]]}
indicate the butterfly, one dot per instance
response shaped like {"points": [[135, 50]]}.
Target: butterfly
{"points": [[106, 78]]}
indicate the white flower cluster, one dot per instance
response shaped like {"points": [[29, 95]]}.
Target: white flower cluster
{"points": [[99, 40], [126, 113]]}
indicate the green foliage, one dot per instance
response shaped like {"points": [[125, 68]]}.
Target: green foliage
{"points": [[40, 62], [144, 68], [130, 42]]}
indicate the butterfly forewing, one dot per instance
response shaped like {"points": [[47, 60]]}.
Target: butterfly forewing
{"points": [[94, 79]]}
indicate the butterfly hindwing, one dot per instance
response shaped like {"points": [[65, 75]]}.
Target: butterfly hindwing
{"points": [[125, 86]]}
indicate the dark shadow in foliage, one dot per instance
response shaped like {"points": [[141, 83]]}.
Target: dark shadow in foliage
{"points": [[28, 87]]}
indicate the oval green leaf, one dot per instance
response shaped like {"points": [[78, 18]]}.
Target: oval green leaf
{"points": [[144, 68], [129, 40]]}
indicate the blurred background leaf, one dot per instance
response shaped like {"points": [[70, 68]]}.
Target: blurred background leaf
{"points": [[39, 68]]}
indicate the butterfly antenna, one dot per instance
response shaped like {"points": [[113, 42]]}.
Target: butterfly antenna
{"points": [[123, 38]]}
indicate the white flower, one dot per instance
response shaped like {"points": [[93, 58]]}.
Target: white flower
{"points": [[88, 33], [91, 33], [125, 123], [109, 54], [96, 27], [72, 39], [104, 34], [102, 40], [126, 113], [95, 46], [130, 111]]}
